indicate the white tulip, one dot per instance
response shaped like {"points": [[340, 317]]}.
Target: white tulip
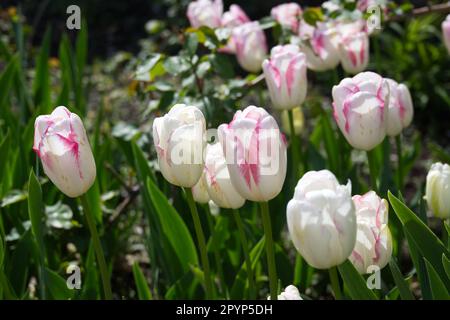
{"points": [[401, 110], [373, 240], [437, 191], [218, 182], [321, 219], [179, 138], [61, 143], [290, 293], [354, 52], [205, 13]]}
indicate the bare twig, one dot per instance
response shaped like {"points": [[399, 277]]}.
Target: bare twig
{"points": [[436, 8]]}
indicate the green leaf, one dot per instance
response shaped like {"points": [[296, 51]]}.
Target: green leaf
{"points": [[400, 282], [438, 289], [58, 286], [424, 239], [446, 264], [313, 15], [143, 290], [95, 202], [173, 227], [36, 209], [90, 289], [355, 283]]}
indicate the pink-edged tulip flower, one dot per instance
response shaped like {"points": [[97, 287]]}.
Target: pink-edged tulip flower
{"points": [[218, 181], [373, 240], [179, 138], [234, 17], [61, 143], [287, 14], [446, 32], [354, 52], [285, 74], [255, 151], [250, 44], [205, 13], [401, 110], [360, 109]]}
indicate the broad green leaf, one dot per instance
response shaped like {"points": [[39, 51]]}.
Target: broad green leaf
{"points": [[36, 209], [90, 284], [95, 201], [143, 290], [2, 252], [438, 289], [58, 286], [446, 264], [400, 282], [424, 239], [355, 283]]}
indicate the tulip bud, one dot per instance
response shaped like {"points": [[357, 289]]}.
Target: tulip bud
{"points": [[285, 74], [359, 109], [234, 17], [287, 14], [179, 139], [290, 293], [321, 219], [250, 44], [373, 240], [255, 151], [218, 181], [205, 13], [61, 143], [437, 191], [400, 111], [354, 52], [446, 32], [322, 50], [199, 191]]}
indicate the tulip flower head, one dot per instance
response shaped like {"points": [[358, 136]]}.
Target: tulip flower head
{"points": [[250, 45], [179, 138], [285, 74], [354, 52], [446, 32], [218, 182], [199, 191], [360, 109], [205, 13], [373, 240], [437, 191], [400, 111], [255, 151], [234, 17], [287, 14], [290, 293], [321, 219], [61, 143]]}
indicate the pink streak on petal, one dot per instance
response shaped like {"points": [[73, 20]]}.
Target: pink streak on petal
{"points": [[290, 74], [72, 144]]}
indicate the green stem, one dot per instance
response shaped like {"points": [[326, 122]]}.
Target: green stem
{"points": [[372, 170], [295, 148], [97, 247], [270, 252], [335, 283], [398, 143], [248, 262], [201, 243]]}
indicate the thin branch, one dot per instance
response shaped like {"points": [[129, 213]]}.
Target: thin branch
{"points": [[436, 8]]}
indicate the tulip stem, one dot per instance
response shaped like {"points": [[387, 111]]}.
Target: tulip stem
{"points": [[248, 262], [398, 142], [372, 170], [270, 252], [201, 243], [97, 247], [335, 283], [295, 149]]}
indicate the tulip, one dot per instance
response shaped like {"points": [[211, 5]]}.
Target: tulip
{"points": [[354, 52], [400, 111], [437, 191], [250, 45], [218, 182], [289, 293], [179, 139], [287, 15], [373, 240], [61, 143], [199, 191], [205, 13], [321, 50], [255, 152], [321, 219], [359, 109], [234, 17], [285, 74], [446, 32]]}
